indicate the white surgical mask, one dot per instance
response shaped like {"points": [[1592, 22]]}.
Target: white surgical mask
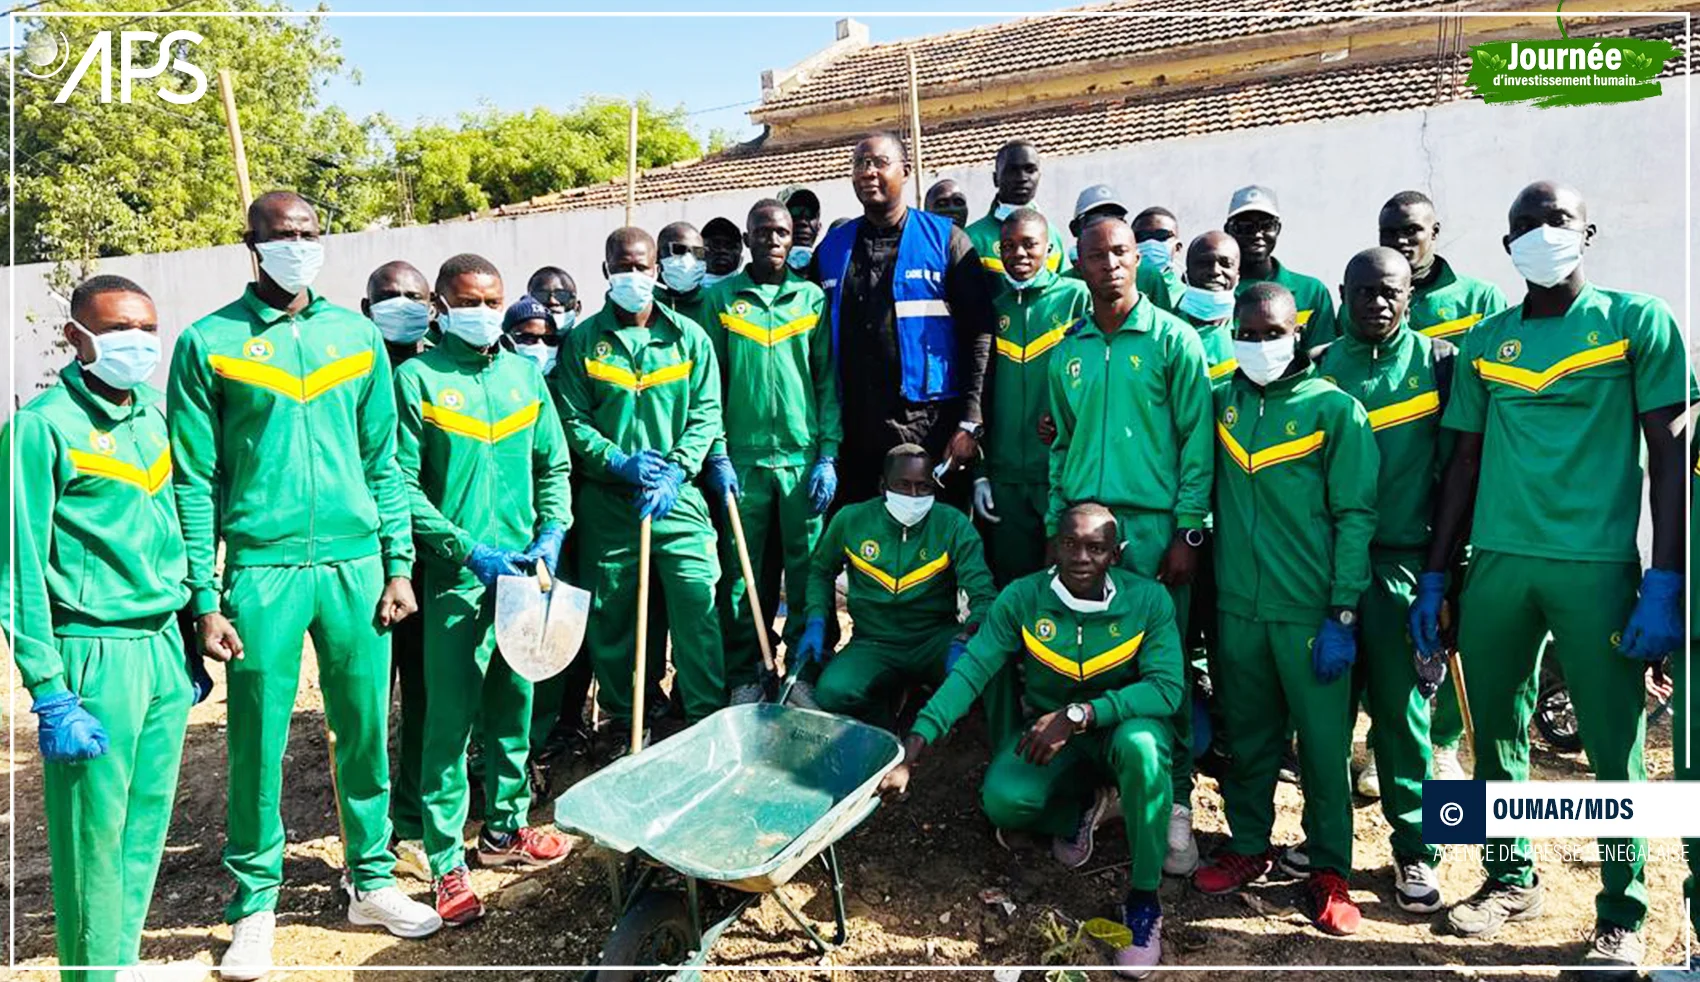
{"points": [[799, 256], [908, 509], [122, 359], [402, 320], [291, 263], [1546, 256], [631, 292], [1155, 252], [682, 274], [564, 320], [478, 326], [542, 354], [1209, 306], [1264, 361], [1080, 606]]}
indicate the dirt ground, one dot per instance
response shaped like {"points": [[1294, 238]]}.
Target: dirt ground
{"points": [[914, 875]]}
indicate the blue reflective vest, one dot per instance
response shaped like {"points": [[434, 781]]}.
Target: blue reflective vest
{"points": [[926, 335]]}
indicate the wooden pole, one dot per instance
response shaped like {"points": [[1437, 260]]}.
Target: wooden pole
{"points": [[244, 190], [638, 667], [1462, 691], [767, 657], [915, 129], [631, 170]]}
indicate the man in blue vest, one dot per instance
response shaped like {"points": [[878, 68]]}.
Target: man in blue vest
{"points": [[911, 317]]}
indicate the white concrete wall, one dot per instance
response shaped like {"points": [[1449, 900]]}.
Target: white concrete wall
{"points": [[1331, 177]]}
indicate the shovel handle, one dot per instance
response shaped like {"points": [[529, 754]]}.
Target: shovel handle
{"points": [[1455, 665], [768, 659], [638, 667], [545, 582]]}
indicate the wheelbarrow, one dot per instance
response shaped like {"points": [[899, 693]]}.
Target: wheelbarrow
{"points": [[706, 822]]}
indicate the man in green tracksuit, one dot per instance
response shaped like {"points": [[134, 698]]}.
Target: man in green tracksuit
{"points": [[1036, 310], [1401, 378], [779, 453], [907, 561], [95, 588], [1157, 232], [1131, 399], [283, 433], [639, 395], [1547, 402], [1296, 473], [1254, 220], [684, 266], [1103, 676], [1015, 172], [1206, 303], [486, 467]]}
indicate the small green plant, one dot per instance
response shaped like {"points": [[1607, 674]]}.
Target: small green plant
{"points": [[1066, 943]]}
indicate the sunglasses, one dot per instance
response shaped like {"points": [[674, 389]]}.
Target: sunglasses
{"points": [[565, 298], [547, 340], [681, 249], [1253, 226], [1153, 235]]}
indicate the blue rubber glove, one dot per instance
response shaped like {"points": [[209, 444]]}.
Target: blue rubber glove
{"points": [[1333, 651], [823, 485], [812, 647], [487, 564], [721, 477], [66, 731], [1655, 626], [547, 547], [954, 654], [642, 469], [199, 680], [658, 501], [1425, 614]]}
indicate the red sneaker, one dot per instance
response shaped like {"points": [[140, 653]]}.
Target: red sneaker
{"points": [[456, 903], [1229, 871], [526, 847], [1332, 907]]}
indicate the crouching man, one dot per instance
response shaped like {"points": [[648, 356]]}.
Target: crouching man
{"points": [[1103, 670]]}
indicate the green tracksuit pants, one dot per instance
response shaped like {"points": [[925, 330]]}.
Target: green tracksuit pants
{"points": [[863, 677], [1134, 757], [107, 817], [1267, 680], [1385, 679], [775, 505], [1687, 769], [407, 660], [273, 609], [1509, 605], [1148, 535], [466, 680], [683, 557], [1015, 545]]}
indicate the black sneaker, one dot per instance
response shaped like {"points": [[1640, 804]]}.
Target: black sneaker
{"points": [[1289, 772], [1615, 946], [1493, 906]]}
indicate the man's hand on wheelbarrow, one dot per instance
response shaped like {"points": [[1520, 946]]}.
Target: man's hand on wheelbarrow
{"points": [[895, 784]]}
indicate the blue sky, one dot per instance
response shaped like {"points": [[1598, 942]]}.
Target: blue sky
{"points": [[413, 67]]}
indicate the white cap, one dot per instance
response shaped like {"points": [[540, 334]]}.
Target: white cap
{"points": [[1098, 196], [1254, 197]]}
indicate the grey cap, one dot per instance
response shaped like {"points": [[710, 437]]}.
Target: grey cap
{"points": [[1098, 196], [1254, 197]]}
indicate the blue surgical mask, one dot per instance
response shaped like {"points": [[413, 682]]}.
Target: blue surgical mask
{"points": [[564, 320], [682, 274], [292, 264], [709, 279], [401, 320], [1001, 211], [1156, 253], [478, 326], [631, 292], [122, 359], [1207, 305], [542, 354], [1019, 284], [799, 256]]}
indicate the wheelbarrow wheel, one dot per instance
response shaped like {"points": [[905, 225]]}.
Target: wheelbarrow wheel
{"points": [[656, 930]]}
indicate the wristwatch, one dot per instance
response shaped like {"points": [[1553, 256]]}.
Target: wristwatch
{"points": [[972, 429], [1078, 714], [1193, 537], [1346, 616]]}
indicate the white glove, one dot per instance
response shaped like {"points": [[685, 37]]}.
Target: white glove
{"points": [[983, 504]]}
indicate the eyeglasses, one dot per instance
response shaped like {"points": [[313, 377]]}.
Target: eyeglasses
{"points": [[565, 298], [1153, 235], [1247, 225], [680, 249]]}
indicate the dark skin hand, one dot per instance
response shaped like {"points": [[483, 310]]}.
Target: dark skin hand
{"points": [[1257, 233], [276, 218], [1411, 231], [768, 234], [1213, 262], [1377, 292], [396, 279], [1047, 429]]}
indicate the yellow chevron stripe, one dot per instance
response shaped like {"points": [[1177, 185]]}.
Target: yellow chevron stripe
{"points": [[913, 578], [1417, 407], [1081, 671], [604, 372], [1224, 368], [1531, 381], [880, 576], [461, 424], [672, 373], [150, 480], [765, 337], [1038, 346], [1050, 659], [1268, 456], [1304, 317], [1457, 325], [316, 384]]}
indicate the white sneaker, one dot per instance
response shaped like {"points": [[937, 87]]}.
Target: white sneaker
{"points": [[410, 858], [1416, 886], [1182, 859], [394, 911], [249, 956], [1369, 780], [184, 971], [1446, 766], [743, 695]]}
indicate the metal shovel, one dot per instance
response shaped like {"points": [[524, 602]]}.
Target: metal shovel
{"points": [[539, 623]]}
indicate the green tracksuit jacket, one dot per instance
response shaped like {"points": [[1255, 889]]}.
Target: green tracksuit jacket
{"points": [[1132, 411], [1314, 301], [986, 232], [776, 368], [482, 451], [283, 441], [1032, 323], [1449, 304], [99, 550], [1217, 339], [1296, 470], [694, 305], [903, 581]]}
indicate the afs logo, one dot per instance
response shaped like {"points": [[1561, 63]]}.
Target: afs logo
{"points": [[48, 52], [1045, 629], [1510, 350], [870, 550]]}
